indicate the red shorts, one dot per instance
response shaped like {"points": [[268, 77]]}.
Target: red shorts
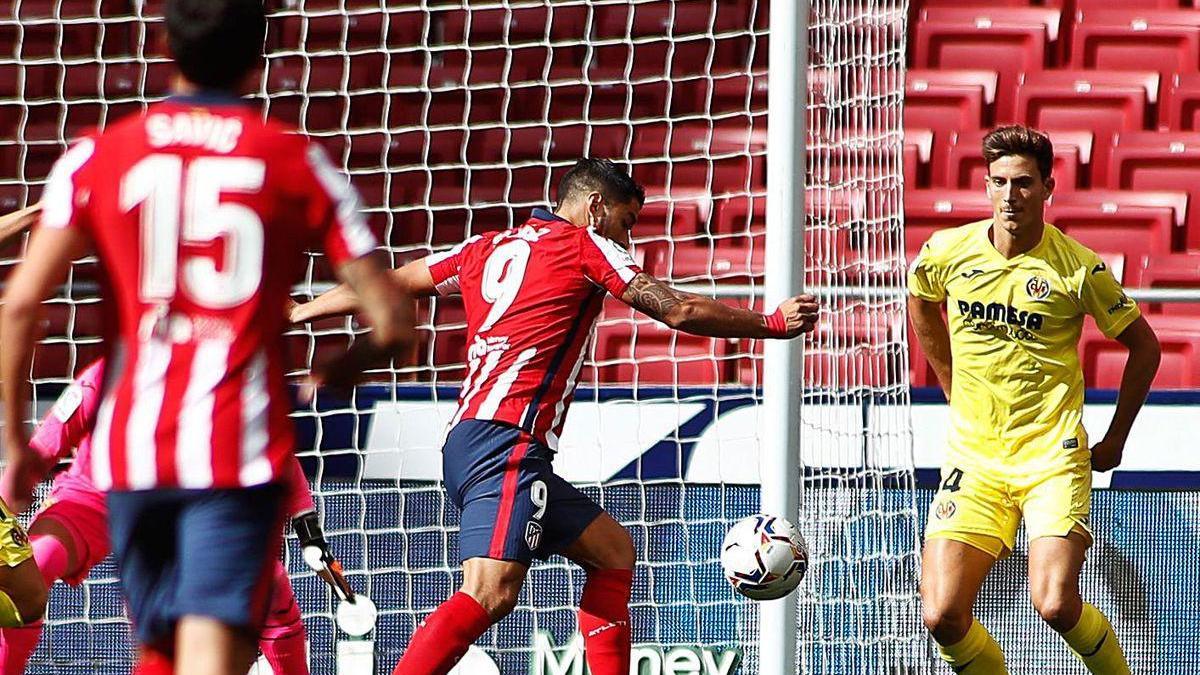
{"points": [[81, 509]]}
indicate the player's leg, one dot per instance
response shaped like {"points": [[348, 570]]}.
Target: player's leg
{"points": [[54, 553], [23, 592], [1056, 512], [489, 592], [605, 550], [972, 523], [222, 590], [69, 537], [283, 637], [143, 527], [490, 478]]}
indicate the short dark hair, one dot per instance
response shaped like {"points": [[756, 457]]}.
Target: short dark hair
{"points": [[1018, 139], [603, 176], [215, 43]]}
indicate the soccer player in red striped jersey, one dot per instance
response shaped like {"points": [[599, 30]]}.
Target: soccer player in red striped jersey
{"points": [[200, 213], [532, 295]]}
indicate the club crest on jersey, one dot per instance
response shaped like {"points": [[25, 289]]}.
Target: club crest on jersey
{"points": [[946, 509], [533, 535], [19, 537], [1037, 288]]}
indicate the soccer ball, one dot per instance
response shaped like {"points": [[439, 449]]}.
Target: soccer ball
{"points": [[764, 557]]}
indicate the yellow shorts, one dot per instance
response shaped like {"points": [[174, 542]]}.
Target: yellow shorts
{"points": [[14, 542], [983, 509]]}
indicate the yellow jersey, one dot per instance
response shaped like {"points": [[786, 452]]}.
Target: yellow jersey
{"points": [[1016, 399]]}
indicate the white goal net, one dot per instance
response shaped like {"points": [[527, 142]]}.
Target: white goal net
{"points": [[453, 118]]}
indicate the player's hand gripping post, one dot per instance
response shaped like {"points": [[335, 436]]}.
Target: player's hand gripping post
{"points": [[318, 557]]}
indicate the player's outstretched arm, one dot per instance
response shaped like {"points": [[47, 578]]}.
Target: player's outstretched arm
{"points": [[413, 278], [388, 310], [1140, 368], [934, 337], [17, 222], [46, 261], [699, 315]]}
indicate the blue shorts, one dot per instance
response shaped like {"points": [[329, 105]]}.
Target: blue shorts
{"points": [[195, 553], [513, 505]]}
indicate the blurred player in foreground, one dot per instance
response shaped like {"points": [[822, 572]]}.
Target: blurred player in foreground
{"points": [[69, 534], [23, 592], [1016, 290], [199, 212], [532, 296]]}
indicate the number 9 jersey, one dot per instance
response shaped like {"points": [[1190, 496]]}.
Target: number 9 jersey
{"points": [[200, 213], [532, 295]]}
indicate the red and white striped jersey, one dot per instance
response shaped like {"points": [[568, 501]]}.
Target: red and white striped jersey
{"points": [[200, 213], [532, 295]]}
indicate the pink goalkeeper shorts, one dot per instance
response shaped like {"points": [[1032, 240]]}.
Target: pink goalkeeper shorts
{"points": [[81, 509]]}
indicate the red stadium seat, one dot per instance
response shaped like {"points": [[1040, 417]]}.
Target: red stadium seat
{"points": [[739, 215], [1072, 158], [1181, 102], [948, 101], [630, 349], [723, 261], [514, 26], [927, 211], [1127, 4], [1143, 39], [1161, 161], [1137, 223], [1103, 360], [1172, 271], [736, 92], [1105, 102], [679, 217], [1013, 39], [918, 157]]}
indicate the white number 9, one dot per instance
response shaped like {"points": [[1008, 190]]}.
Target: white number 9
{"points": [[539, 494], [502, 278]]}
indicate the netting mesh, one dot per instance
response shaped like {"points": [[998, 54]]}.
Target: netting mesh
{"points": [[861, 612]]}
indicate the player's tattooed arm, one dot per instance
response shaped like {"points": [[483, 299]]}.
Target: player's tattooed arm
{"points": [[933, 336], [654, 298], [700, 315]]}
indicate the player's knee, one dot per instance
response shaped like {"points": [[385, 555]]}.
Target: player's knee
{"points": [[30, 604], [1060, 610], [497, 593], [622, 555], [946, 624], [498, 600]]}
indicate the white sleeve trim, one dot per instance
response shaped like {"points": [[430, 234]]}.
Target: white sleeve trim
{"points": [[58, 200], [450, 285], [350, 220], [618, 258]]}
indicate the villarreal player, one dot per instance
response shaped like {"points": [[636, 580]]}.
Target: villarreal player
{"points": [[1015, 291]]}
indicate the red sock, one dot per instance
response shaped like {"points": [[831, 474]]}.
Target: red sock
{"points": [[152, 662], [445, 637], [604, 621], [282, 638], [17, 645]]}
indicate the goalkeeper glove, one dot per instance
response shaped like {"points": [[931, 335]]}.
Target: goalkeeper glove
{"points": [[317, 555]]}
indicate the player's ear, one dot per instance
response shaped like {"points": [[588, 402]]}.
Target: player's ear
{"points": [[595, 210], [1048, 184]]}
